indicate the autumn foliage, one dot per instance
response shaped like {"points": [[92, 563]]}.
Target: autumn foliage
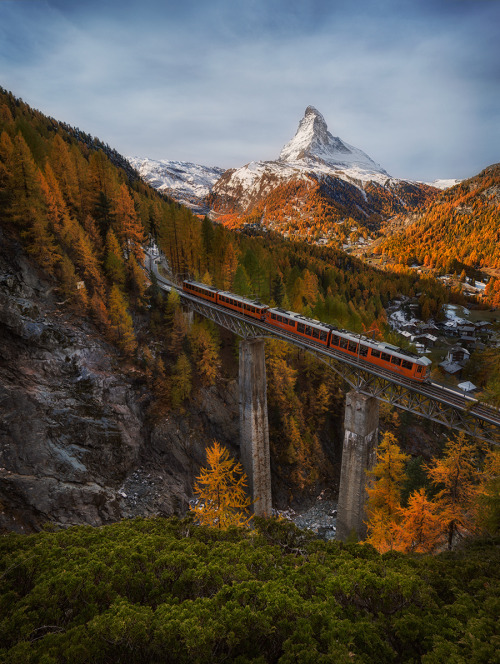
{"points": [[460, 229], [464, 500], [221, 490]]}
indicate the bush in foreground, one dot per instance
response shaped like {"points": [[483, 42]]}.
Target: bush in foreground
{"points": [[147, 591]]}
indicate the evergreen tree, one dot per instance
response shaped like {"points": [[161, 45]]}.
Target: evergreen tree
{"points": [[384, 495], [241, 283], [121, 327], [136, 281], [205, 353], [114, 263], [456, 477], [128, 224], [221, 491]]}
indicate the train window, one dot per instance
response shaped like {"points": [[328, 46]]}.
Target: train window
{"points": [[300, 328], [344, 342], [323, 335], [352, 346], [419, 368], [386, 357], [407, 365], [375, 353], [335, 340], [363, 350], [273, 316], [315, 333], [396, 360], [291, 323], [279, 319], [308, 331]]}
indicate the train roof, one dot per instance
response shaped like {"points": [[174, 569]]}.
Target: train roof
{"points": [[299, 317], [241, 298], [200, 285], [372, 343], [383, 346]]}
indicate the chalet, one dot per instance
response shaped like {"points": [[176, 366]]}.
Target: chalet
{"points": [[467, 330], [427, 339], [456, 358], [458, 354]]}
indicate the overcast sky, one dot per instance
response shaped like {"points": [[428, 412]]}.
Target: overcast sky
{"points": [[414, 83]]}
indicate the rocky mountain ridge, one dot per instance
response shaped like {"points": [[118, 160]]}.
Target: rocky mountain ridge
{"points": [[314, 144]]}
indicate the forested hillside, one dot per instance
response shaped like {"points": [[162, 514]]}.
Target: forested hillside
{"points": [[460, 230], [123, 381], [310, 207]]}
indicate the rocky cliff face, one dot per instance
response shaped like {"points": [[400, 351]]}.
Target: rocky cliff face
{"points": [[75, 443]]}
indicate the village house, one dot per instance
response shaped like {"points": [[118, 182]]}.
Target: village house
{"points": [[456, 358]]}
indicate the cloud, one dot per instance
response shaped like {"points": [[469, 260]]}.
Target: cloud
{"points": [[412, 84]]}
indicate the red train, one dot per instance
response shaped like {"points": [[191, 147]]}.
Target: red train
{"points": [[379, 353]]}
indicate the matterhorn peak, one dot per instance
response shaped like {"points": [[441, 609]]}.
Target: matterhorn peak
{"points": [[314, 143]]}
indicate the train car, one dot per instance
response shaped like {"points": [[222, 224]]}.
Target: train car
{"points": [[378, 353], [242, 305], [381, 354], [200, 290], [300, 325]]}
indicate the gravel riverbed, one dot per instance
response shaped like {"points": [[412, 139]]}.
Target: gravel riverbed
{"points": [[321, 517]]}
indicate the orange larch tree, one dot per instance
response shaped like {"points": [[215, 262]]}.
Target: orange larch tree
{"points": [[221, 491], [420, 529], [384, 495], [457, 477]]}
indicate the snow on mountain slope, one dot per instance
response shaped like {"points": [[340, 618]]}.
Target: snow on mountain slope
{"points": [[318, 169], [314, 145], [443, 184], [185, 182]]}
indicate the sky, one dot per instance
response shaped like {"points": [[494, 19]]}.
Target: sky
{"points": [[413, 83]]}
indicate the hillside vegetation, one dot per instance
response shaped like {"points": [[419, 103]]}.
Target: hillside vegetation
{"points": [[313, 207], [147, 591], [460, 230]]}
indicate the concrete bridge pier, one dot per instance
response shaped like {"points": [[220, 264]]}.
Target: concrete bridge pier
{"points": [[254, 430], [358, 456]]}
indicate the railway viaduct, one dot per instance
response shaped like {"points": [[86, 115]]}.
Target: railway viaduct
{"points": [[369, 385]]}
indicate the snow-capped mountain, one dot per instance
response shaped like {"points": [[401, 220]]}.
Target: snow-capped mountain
{"points": [[317, 180], [185, 182], [313, 144], [443, 184], [330, 175]]}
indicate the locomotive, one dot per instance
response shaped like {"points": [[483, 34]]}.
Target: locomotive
{"points": [[379, 353]]}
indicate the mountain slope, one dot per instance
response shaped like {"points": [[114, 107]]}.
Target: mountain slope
{"points": [[461, 227], [183, 181], [317, 181]]}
